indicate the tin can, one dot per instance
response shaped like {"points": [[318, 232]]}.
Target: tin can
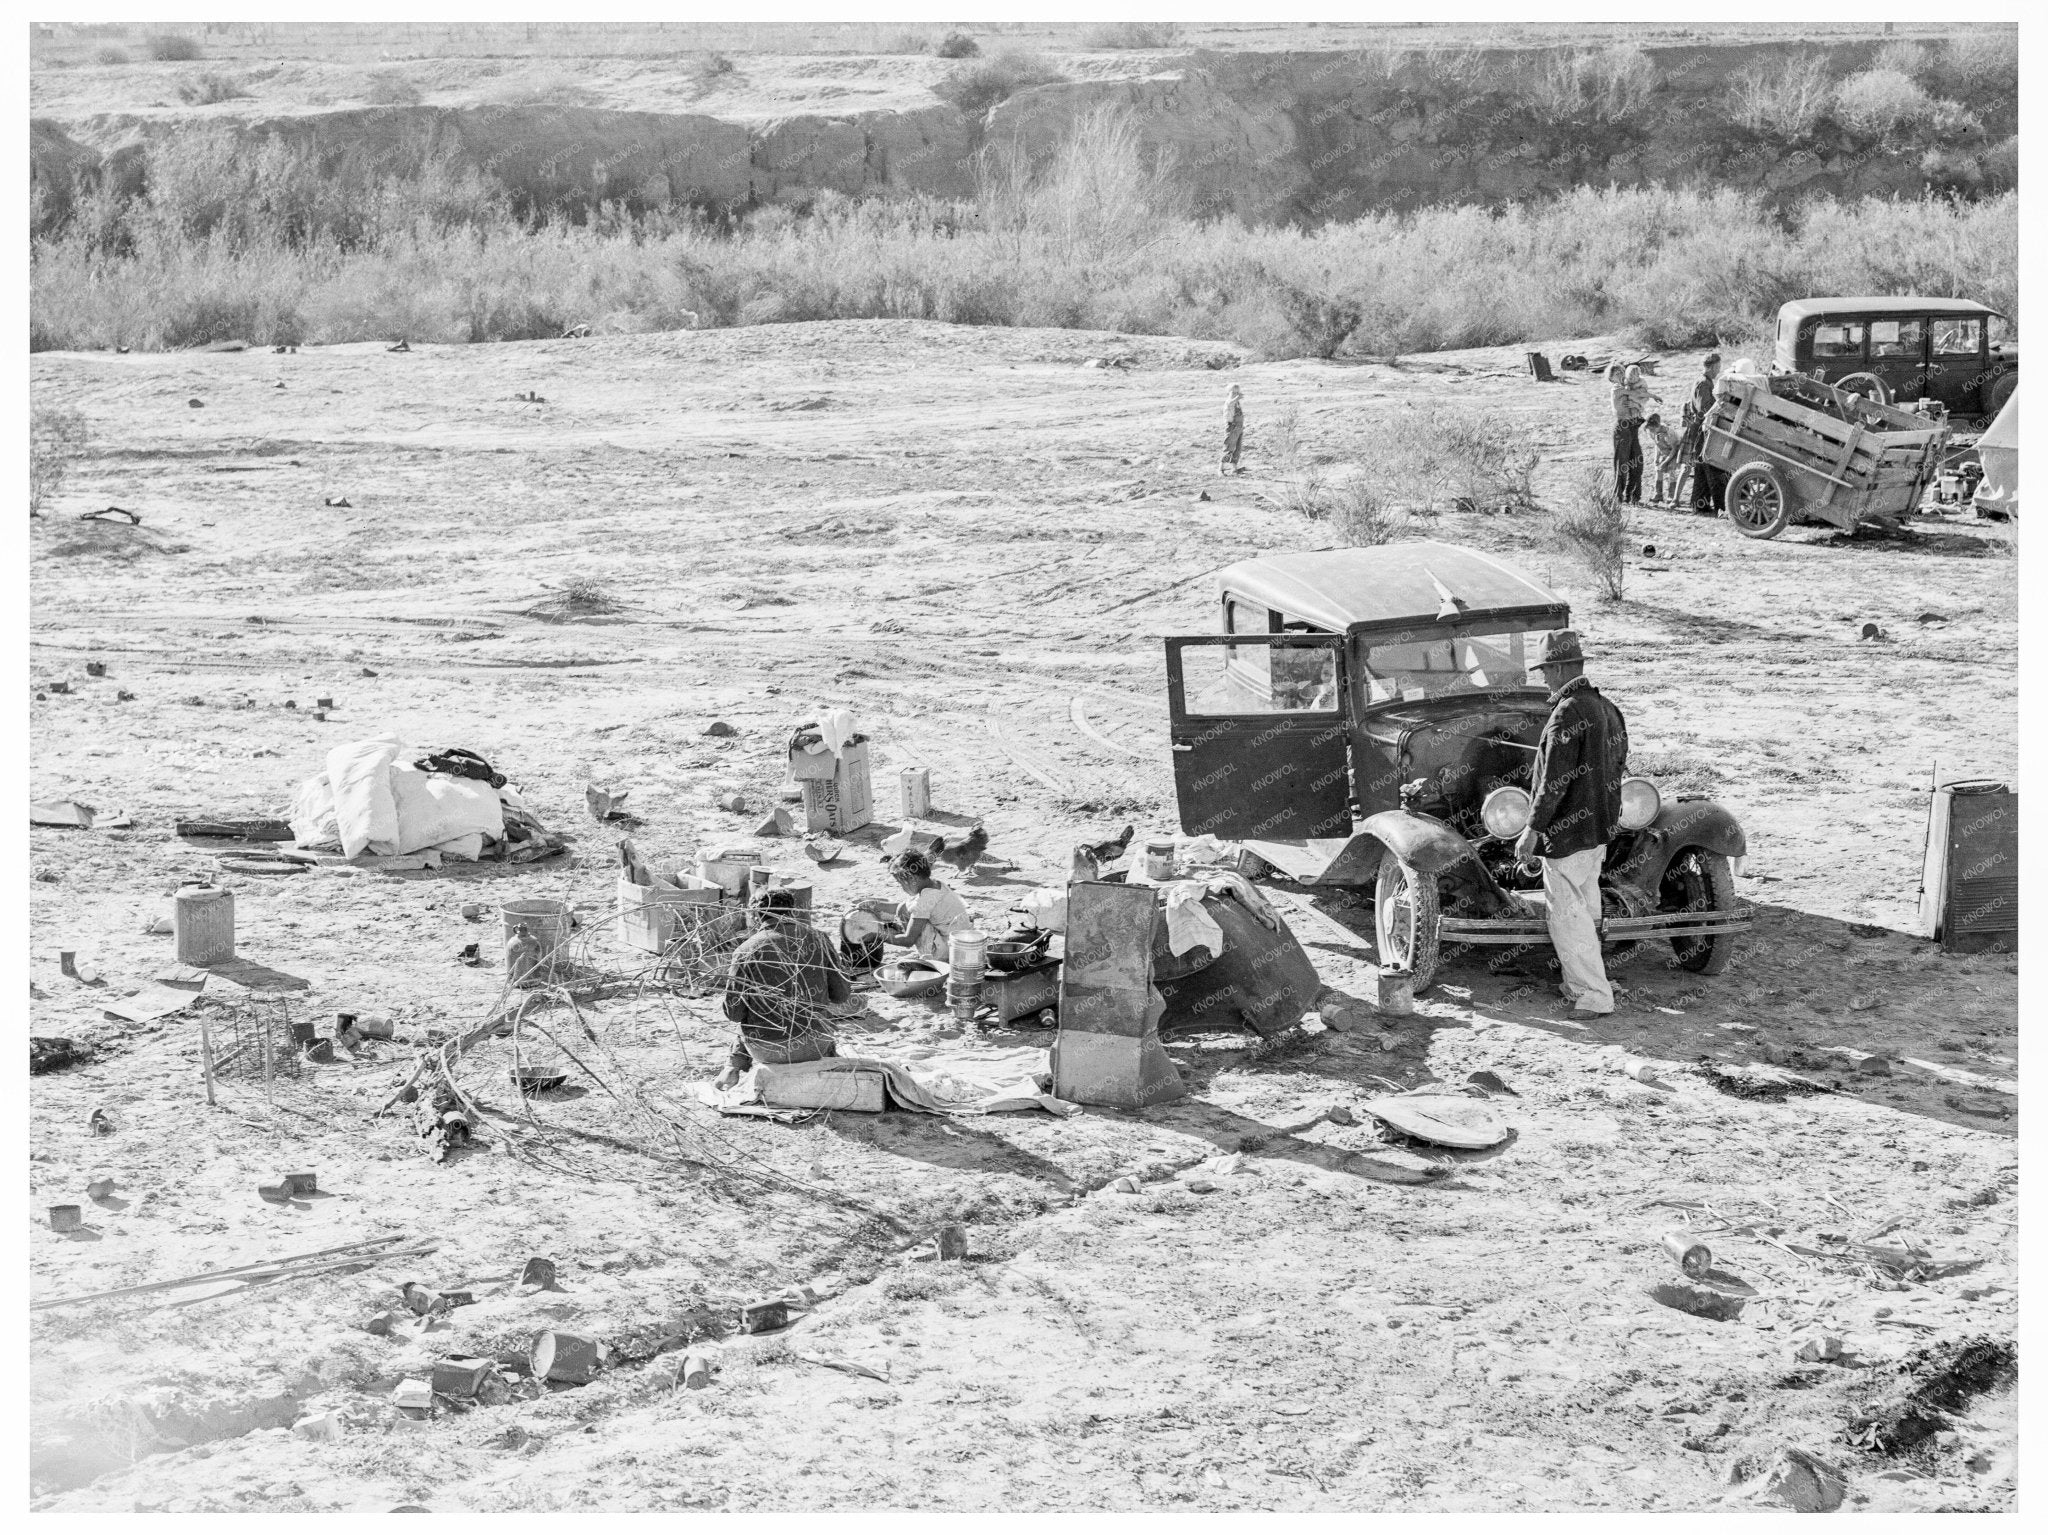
{"points": [[1693, 1255], [203, 918], [917, 793], [1159, 858]]}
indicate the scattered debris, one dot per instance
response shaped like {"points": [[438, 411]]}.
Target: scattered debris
{"points": [[1442, 1119], [134, 518], [952, 1242], [1804, 1482], [100, 1122], [606, 805], [735, 802], [95, 668], [1935, 1381], [696, 1371], [764, 1316], [1698, 1300], [779, 823], [1491, 1084], [1819, 1350], [539, 1272], [720, 728], [63, 812], [66, 1218], [461, 1376], [413, 1395], [403, 346], [822, 850], [323, 1427]]}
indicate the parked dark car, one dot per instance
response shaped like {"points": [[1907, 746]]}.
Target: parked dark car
{"points": [[1366, 718], [1900, 350]]}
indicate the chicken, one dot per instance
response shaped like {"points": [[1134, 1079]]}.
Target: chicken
{"points": [[963, 853], [1109, 851]]}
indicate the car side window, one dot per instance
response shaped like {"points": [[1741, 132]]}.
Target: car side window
{"points": [[1897, 338], [1838, 339], [1959, 336]]}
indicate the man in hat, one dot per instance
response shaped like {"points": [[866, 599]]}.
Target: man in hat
{"points": [[1707, 481], [1233, 431], [781, 981], [1576, 809]]}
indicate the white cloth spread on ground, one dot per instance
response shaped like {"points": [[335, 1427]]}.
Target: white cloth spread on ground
{"points": [[1046, 907], [984, 1082], [371, 799]]}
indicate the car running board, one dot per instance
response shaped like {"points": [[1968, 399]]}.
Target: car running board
{"points": [[1676, 924]]}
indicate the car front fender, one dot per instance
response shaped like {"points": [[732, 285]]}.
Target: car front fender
{"points": [[1427, 846], [1642, 859]]}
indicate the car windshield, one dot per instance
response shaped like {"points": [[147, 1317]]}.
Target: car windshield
{"points": [[1410, 669]]}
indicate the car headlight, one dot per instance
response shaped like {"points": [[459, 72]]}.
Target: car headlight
{"points": [[1640, 803], [1505, 812]]}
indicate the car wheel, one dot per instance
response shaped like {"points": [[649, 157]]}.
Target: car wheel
{"points": [[1998, 391], [1699, 881], [1757, 501], [1868, 385], [1405, 915]]}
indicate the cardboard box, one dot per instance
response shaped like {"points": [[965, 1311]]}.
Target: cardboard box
{"points": [[651, 915], [844, 801]]}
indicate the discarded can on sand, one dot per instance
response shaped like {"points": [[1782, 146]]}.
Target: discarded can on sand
{"points": [[952, 1242], [66, 1217], [764, 1316], [1159, 858], [696, 1371], [1693, 1255], [203, 918], [1396, 993]]}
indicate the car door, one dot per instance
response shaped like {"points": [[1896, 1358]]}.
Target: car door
{"points": [[1956, 361], [1260, 728], [1898, 354]]}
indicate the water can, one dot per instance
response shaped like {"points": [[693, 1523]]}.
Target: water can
{"points": [[203, 918], [1159, 858], [917, 793]]}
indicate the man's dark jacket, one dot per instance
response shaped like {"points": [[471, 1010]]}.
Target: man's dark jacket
{"points": [[1580, 760]]}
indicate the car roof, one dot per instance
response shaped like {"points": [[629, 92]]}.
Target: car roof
{"points": [[1801, 308], [1339, 589]]}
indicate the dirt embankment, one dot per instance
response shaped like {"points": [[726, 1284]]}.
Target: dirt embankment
{"points": [[1302, 136]]}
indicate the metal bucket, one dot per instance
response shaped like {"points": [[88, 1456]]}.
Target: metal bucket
{"points": [[548, 921], [203, 919]]}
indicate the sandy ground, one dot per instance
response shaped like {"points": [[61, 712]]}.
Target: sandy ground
{"points": [[974, 541]]}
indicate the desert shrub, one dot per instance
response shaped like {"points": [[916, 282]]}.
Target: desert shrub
{"points": [[1606, 85], [206, 89], [1318, 320], [1439, 457], [1594, 534], [958, 45], [56, 435], [1881, 102], [1131, 34], [110, 56], [174, 48], [980, 87], [1365, 515], [1905, 57], [1981, 63], [905, 42], [710, 69], [390, 88], [1099, 197], [1783, 103]]}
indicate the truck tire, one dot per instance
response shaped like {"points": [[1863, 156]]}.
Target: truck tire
{"points": [[1869, 385], [1405, 914], [1757, 501], [1698, 880]]}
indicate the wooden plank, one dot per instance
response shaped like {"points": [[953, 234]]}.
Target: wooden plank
{"points": [[1842, 465], [1757, 447]]}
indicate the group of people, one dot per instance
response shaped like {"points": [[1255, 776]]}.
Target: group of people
{"points": [[785, 979], [1677, 450]]}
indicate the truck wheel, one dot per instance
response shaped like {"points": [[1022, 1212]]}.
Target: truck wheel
{"points": [[1757, 501], [1998, 391], [1404, 917], [1699, 881], [1868, 385]]}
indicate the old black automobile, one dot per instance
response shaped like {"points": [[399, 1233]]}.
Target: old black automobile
{"points": [[1366, 718], [1902, 350]]}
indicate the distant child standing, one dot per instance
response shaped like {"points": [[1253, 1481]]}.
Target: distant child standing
{"points": [[1233, 430], [1667, 441]]}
